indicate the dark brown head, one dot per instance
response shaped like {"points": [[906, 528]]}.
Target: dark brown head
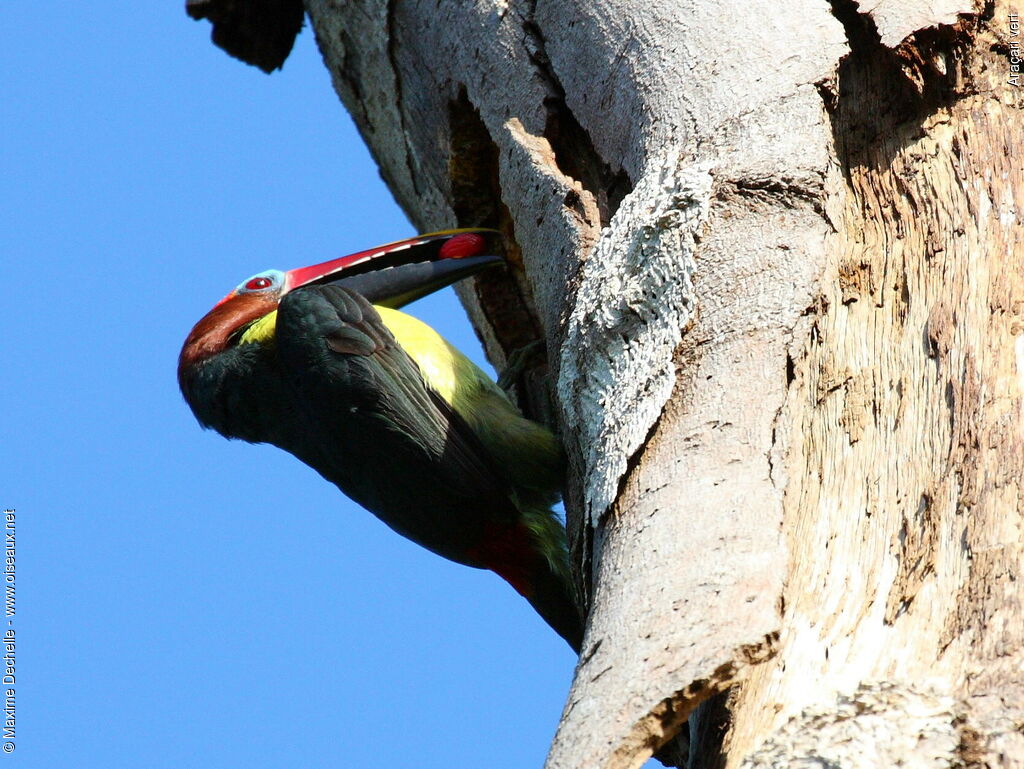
{"points": [[220, 327]]}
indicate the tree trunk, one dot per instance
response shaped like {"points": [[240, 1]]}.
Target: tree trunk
{"points": [[775, 253]]}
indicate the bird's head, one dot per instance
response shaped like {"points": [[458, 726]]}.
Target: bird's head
{"points": [[391, 275]]}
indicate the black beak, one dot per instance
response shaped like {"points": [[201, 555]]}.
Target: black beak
{"points": [[397, 286], [395, 274]]}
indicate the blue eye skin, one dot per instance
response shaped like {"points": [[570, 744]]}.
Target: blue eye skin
{"points": [[261, 282]]}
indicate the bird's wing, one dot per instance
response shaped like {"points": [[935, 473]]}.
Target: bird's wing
{"points": [[342, 356], [393, 444]]}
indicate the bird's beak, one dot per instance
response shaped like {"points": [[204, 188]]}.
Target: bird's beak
{"points": [[398, 273]]}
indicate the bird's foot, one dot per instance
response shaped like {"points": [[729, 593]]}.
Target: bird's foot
{"points": [[516, 363]]}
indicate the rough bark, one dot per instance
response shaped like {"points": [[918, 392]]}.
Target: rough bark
{"points": [[775, 254], [903, 509]]}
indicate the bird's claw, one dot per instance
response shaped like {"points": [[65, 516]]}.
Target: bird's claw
{"points": [[515, 365]]}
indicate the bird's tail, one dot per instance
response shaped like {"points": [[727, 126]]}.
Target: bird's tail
{"points": [[551, 595], [549, 584]]}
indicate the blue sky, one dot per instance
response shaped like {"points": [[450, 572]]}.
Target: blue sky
{"points": [[186, 601]]}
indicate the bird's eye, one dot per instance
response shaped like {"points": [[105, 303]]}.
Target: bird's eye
{"points": [[258, 284], [261, 281]]}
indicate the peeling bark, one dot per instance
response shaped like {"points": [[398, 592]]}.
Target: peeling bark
{"points": [[775, 255], [905, 502]]}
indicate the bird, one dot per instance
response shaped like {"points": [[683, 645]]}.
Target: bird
{"points": [[320, 362]]}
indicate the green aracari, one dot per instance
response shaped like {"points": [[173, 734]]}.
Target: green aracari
{"points": [[319, 362]]}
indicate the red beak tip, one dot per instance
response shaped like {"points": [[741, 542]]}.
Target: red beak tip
{"points": [[462, 246]]}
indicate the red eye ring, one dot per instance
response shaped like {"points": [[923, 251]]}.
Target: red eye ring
{"points": [[258, 284]]}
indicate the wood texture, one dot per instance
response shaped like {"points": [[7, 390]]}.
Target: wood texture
{"points": [[775, 256], [904, 512]]}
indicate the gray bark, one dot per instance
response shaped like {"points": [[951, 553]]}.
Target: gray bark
{"points": [[775, 254]]}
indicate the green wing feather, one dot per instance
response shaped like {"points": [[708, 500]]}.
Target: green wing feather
{"points": [[526, 454]]}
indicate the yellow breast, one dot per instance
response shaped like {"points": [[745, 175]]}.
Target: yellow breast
{"points": [[451, 374], [261, 330], [526, 452]]}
